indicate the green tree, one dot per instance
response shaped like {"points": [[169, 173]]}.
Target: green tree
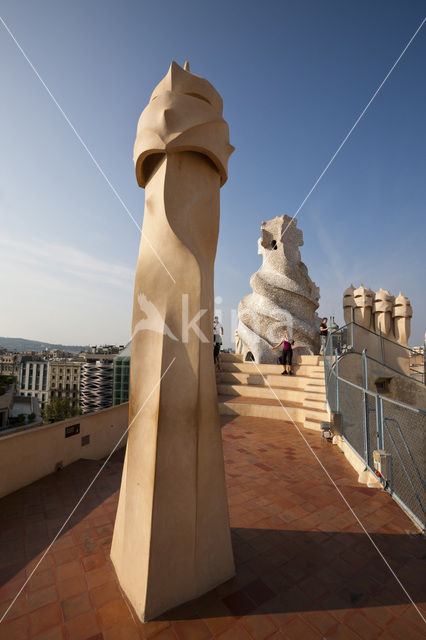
{"points": [[59, 409], [17, 421], [5, 382]]}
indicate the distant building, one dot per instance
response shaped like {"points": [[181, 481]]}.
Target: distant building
{"points": [[28, 408], [34, 380], [121, 381], [64, 381], [60, 354], [10, 364], [105, 349], [18, 411], [96, 382], [6, 402]]}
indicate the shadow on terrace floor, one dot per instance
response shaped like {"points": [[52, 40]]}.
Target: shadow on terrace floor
{"points": [[31, 517], [295, 571]]}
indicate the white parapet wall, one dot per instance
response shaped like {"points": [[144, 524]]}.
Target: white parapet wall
{"points": [[26, 455], [365, 476]]}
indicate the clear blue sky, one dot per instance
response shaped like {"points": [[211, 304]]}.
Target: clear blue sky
{"points": [[294, 76]]}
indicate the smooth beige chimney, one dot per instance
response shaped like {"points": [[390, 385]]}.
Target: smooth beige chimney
{"points": [[172, 538], [402, 314], [382, 312], [363, 303]]}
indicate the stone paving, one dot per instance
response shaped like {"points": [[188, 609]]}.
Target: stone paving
{"points": [[305, 568]]}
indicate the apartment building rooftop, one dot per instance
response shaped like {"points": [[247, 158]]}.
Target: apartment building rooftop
{"points": [[306, 569]]}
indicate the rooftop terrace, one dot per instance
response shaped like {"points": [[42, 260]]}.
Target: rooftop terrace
{"points": [[305, 567]]}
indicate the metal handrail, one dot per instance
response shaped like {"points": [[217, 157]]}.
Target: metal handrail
{"points": [[364, 354], [416, 369], [381, 337], [331, 367], [400, 373], [376, 394], [386, 366]]}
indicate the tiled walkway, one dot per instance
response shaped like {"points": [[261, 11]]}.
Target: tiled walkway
{"points": [[305, 569]]}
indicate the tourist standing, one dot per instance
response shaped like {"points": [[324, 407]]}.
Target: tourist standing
{"points": [[217, 341], [287, 356], [323, 333]]}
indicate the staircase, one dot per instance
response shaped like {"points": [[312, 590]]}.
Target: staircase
{"points": [[259, 390]]}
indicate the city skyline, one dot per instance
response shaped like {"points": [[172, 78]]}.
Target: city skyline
{"points": [[293, 80]]}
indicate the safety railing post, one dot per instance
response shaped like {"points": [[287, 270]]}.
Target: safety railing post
{"points": [[324, 349], [364, 369], [352, 329], [365, 406], [379, 422], [424, 361], [336, 366]]}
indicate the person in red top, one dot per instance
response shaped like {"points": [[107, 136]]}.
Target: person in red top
{"points": [[287, 356]]}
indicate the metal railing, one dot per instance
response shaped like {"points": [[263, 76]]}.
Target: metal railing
{"points": [[352, 338], [372, 423]]}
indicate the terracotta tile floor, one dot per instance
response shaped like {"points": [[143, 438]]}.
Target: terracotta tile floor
{"points": [[305, 569]]}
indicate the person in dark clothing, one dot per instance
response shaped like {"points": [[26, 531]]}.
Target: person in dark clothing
{"points": [[323, 333], [324, 328], [217, 341], [287, 356]]}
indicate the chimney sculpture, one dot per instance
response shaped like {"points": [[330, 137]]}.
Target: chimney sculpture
{"points": [[402, 314], [382, 311], [172, 538], [284, 296], [348, 303], [363, 303]]}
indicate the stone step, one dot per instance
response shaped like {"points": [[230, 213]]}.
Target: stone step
{"points": [[313, 423], [269, 408], [316, 397], [292, 382], [317, 372], [306, 360], [231, 357], [258, 391], [315, 386], [317, 403], [316, 414], [251, 367], [255, 408]]}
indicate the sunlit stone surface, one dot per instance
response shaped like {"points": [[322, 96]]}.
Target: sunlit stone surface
{"points": [[172, 538]]}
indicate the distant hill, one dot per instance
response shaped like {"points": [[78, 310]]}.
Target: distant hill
{"points": [[20, 344]]}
